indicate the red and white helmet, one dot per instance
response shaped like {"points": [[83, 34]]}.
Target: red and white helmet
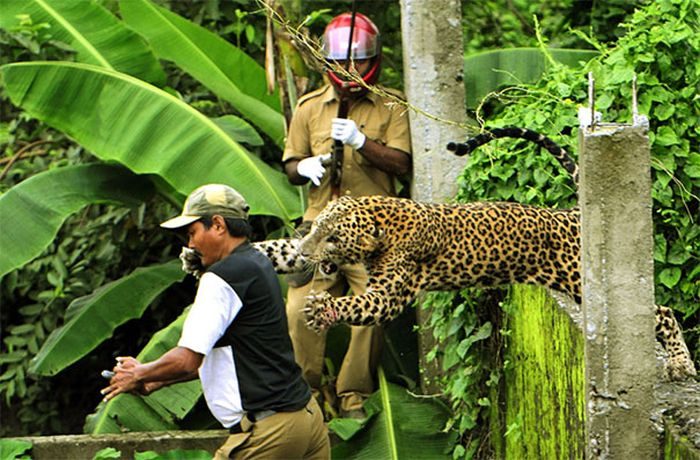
{"points": [[365, 45]]}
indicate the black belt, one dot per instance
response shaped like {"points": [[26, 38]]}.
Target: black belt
{"points": [[251, 418]]}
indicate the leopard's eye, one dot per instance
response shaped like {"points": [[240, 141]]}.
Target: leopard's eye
{"points": [[332, 239]]}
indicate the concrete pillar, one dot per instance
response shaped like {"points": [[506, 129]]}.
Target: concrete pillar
{"points": [[618, 292], [433, 65], [433, 62]]}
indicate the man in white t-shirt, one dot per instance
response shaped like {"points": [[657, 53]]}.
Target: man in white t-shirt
{"points": [[236, 339]]}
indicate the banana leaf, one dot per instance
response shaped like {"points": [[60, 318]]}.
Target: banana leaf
{"points": [[34, 210], [239, 130], [398, 426], [128, 412], [98, 36], [490, 70], [14, 448], [226, 70], [156, 412], [92, 319], [120, 118]]}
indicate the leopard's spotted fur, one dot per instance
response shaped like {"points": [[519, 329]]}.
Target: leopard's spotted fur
{"points": [[408, 247]]}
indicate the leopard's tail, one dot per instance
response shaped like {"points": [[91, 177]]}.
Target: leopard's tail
{"points": [[561, 155]]}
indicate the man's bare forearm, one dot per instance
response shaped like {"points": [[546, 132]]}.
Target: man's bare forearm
{"points": [[389, 160]]}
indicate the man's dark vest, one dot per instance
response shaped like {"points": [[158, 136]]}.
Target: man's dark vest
{"points": [[268, 376]]}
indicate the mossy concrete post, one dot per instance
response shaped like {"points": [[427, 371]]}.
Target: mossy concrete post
{"points": [[433, 62], [618, 292]]}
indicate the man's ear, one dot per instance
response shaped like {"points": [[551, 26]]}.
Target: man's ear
{"points": [[218, 223]]}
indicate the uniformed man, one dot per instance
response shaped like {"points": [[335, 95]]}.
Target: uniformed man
{"points": [[376, 149]]}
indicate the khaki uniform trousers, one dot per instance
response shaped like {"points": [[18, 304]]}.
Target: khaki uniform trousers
{"points": [[356, 375], [283, 435]]}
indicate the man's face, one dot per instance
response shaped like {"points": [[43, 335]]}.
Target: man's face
{"points": [[356, 65], [206, 241]]}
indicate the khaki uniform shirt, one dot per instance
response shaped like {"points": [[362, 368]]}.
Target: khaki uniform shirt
{"points": [[310, 135]]}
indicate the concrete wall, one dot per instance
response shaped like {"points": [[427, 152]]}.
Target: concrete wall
{"points": [[79, 447]]}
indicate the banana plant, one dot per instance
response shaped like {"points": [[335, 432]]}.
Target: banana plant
{"points": [[110, 103], [398, 425], [224, 69], [121, 118], [98, 37], [92, 319], [490, 70], [39, 205]]}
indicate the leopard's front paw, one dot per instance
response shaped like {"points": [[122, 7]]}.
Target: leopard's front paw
{"points": [[680, 367], [319, 311]]}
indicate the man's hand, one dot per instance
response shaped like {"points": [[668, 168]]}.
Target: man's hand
{"points": [[313, 168], [124, 379], [346, 131], [191, 262], [179, 364]]}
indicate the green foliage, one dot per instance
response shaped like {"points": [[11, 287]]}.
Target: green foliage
{"points": [[107, 453], [490, 70], [88, 103], [98, 37], [508, 23], [221, 67], [102, 242], [99, 244], [91, 319], [661, 46], [469, 367], [53, 196], [398, 425], [14, 449]]}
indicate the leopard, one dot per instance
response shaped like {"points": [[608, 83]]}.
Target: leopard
{"points": [[409, 247]]}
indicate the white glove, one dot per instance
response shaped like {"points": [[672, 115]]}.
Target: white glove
{"points": [[346, 131], [191, 262], [312, 168]]}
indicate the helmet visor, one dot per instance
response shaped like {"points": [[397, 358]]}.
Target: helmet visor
{"points": [[335, 45]]}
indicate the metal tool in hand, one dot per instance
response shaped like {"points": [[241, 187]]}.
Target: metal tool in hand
{"points": [[107, 374]]}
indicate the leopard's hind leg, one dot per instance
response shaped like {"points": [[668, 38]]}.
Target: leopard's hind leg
{"points": [[679, 365]]}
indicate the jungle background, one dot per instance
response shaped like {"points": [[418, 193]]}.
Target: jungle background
{"points": [[102, 242]]}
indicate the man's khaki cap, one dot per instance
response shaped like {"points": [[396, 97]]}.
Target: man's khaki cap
{"points": [[208, 200]]}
